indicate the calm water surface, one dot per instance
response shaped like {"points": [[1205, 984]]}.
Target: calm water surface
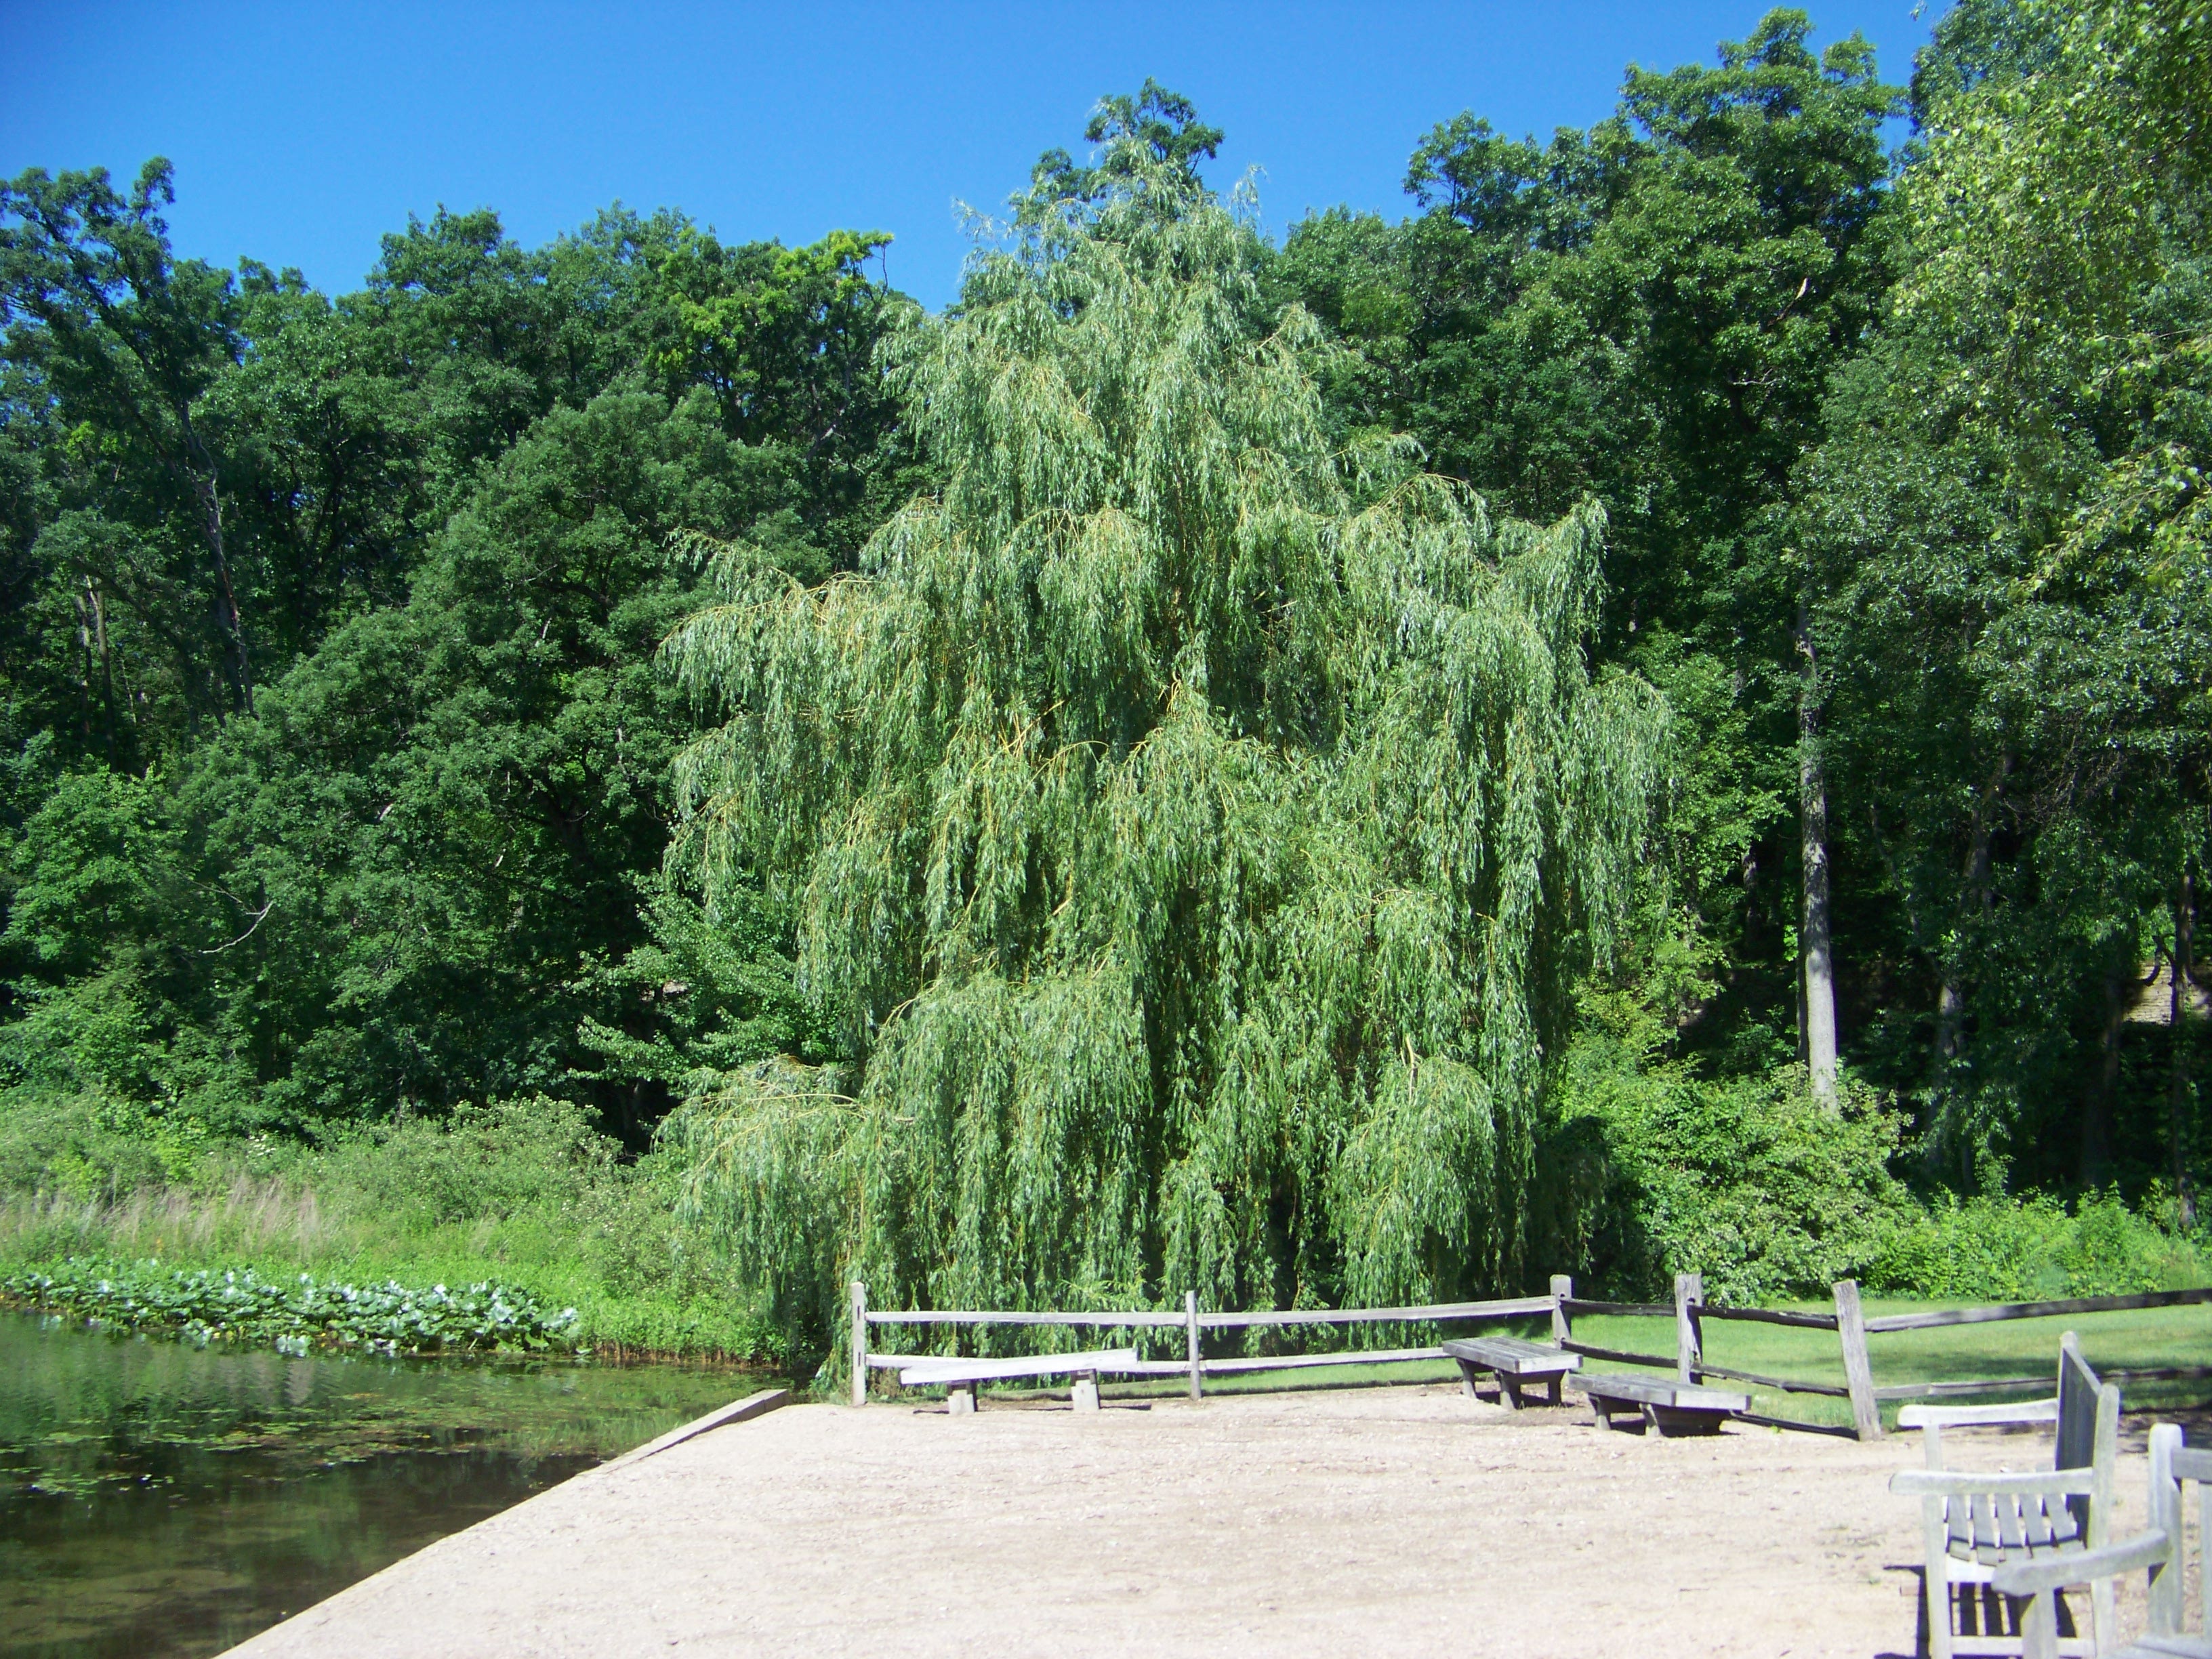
{"points": [[157, 1499]]}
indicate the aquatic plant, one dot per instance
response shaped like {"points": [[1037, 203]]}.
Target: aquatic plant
{"points": [[237, 1305]]}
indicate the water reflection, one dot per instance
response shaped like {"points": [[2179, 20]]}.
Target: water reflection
{"points": [[160, 1500]]}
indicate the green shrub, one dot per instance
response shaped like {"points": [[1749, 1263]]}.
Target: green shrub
{"points": [[2021, 1249], [77, 1146], [536, 1156], [1746, 1183]]}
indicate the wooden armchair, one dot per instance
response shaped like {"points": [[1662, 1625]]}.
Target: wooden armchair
{"points": [[1975, 1524], [2160, 1550]]}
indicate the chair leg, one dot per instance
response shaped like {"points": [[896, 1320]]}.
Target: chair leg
{"points": [[2104, 1617], [1937, 1578]]}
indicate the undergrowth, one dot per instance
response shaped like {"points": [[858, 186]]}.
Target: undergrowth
{"points": [[524, 1196]]}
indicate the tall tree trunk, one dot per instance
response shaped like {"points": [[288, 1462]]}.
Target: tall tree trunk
{"points": [[226, 601], [106, 662], [1973, 901], [1819, 978], [2120, 988], [2179, 1093], [199, 469]]}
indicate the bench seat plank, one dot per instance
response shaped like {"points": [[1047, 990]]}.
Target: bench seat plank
{"points": [[1515, 1360], [926, 1372], [1669, 1407], [1512, 1353], [1652, 1391]]}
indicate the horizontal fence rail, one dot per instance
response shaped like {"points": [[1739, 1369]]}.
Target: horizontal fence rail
{"points": [[1784, 1383], [1937, 1317], [1133, 1321], [1518, 1307], [1810, 1321], [1442, 1313], [1689, 1310]]}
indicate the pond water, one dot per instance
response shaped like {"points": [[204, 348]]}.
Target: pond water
{"points": [[160, 1499]]}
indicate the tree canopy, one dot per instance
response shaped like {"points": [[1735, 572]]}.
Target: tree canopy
{"points": [[1194, 828]]}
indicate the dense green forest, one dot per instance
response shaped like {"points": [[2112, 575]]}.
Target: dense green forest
{"points": [[1650, 714]]}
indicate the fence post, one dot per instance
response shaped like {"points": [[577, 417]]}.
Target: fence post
{"points": [[860, 1343], [1689, 1340], [1858, 1373], [1563, 1290], [1190, 1325]]}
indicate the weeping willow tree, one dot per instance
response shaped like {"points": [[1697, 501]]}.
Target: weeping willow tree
{"points": [[1195, 830]]}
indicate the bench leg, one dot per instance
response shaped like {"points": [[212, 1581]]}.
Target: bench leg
{"points": [[1509, 1392], [960, 1400], [1936, 1578], [1467, 1374], [1085, 1395], [1558, 1383], [1677, 1420]]}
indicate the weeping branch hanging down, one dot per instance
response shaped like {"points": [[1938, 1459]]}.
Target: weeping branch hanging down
{"points": [[1196, 828]]}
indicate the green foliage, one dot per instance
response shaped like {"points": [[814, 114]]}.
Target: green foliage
{"points": [[1649, 311], [1746, 1182], [1190, 830], [2008, 516], [372, 844], [524, 1195], [1995, 1250], [233, 1305]]}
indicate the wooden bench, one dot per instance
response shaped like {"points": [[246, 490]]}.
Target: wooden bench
{"points": [[958, 1377], [1515, 1360], [1975, 1524], [1669, 1407]]}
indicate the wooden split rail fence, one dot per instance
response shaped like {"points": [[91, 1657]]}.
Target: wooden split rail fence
{"points": [[1689, 1311]]}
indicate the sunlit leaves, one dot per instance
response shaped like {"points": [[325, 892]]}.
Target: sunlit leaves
{"points": [[1193, 829]]}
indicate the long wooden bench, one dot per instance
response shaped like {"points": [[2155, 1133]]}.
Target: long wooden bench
{"points": [[1514, 1361], [1668, 1407], [958, 1377]]}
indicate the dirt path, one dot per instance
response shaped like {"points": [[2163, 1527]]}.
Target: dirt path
{"points": [[1399, 1520]]}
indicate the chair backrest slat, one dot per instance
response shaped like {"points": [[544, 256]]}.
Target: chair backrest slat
{"points": [[2077, 1407], [2078, 1389]]}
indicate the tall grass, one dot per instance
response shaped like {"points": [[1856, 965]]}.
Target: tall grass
{"points": [[253, 1219]]}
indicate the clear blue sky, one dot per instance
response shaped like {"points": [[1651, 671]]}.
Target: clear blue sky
{"points": [[302, 131]]}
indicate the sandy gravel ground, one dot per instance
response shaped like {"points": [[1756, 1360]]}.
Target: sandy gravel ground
{"points": [[1387, 1520]]}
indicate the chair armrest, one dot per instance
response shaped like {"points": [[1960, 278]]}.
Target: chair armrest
{"points": [[1950, 1416], [1966, 1483], [2146, 1549]]}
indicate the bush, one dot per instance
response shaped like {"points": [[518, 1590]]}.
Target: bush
{"points": [[536, 1156], [79, 1147], [2024, 1250], [1749, 1183]]}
